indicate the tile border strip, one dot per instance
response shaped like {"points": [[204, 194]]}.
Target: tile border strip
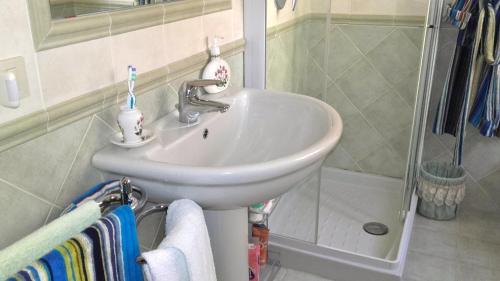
{"points": [[36, 124], [414, 21]]}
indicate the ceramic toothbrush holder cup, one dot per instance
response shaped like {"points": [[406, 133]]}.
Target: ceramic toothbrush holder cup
{"points": [[130, 122]]}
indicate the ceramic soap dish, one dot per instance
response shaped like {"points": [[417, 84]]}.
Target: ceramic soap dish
{"points": [[147, 137]]}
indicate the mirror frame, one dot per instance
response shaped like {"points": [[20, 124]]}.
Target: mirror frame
{"points": [[51, 33]]}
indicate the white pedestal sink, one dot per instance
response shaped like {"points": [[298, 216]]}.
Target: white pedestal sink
{"points": [[265, 144]]}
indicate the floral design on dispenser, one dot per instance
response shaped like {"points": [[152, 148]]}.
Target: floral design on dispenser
{"points": [[222, 74]]}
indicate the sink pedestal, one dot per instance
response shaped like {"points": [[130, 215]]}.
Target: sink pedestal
{"points": [[228, 230]]}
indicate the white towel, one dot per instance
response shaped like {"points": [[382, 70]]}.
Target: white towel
{"points": [[186, 231], [165, 264]]}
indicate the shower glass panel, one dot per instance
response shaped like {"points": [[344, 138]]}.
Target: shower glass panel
{"points": [[362, 58], [373, 63], [293, 41]]}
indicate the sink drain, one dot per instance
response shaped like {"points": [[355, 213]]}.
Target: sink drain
{"points": [[376, 228]]}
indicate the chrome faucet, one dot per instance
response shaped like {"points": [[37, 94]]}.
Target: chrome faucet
{"points": [[191, 106]]}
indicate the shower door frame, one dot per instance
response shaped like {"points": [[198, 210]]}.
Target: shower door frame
{"points": [[254, 28], [426, 75]]}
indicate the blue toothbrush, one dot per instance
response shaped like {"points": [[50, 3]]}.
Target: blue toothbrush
{"points": [[132, 76]]}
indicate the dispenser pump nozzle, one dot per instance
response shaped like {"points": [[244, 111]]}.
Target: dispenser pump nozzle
{"points": [[215, 49]]}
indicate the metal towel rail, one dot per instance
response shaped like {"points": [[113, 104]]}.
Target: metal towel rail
{"points": [[124, 197], [124, 193], [153, 209]]}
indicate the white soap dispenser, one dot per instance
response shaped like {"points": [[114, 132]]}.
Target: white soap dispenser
{"points": [[217, 68]]}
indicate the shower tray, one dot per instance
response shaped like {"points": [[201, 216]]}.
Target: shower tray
{"points": [[344, 251]]}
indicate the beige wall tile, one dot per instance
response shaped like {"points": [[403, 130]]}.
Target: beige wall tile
{"points": [[302, 7], [318, 6], [74, 70], [380, 7], [144, 49], [218, 24], [238, 19], [276, 17], [412, 7], [70, 71], [373, 7], [184, 38], [341, 6], [272, 14], [16, 40]]}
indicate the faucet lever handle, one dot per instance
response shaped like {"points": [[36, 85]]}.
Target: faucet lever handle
{"points": [[206, 82], [192, 116]]}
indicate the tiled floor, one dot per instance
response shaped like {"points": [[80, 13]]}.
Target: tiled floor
{"points": [[464, 249]]}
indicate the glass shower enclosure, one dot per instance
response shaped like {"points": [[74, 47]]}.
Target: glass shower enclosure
{"points": [[364, 59]]}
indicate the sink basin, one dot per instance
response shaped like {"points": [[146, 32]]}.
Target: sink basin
{"points": [[266, 143]]}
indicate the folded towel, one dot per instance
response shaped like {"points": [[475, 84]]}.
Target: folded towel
{"points": [[104, 251], [166, 264], [43, 240], [187, 231]]}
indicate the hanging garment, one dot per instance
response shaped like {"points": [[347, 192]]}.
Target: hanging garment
{"points": [[484, 11], [458, 12], [485, 113], [479, 106], [457, 88], [475, 48], [489, 35], [105, 251]]}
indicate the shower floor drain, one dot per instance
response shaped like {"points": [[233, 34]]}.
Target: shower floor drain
{"points": [[376, 228]]}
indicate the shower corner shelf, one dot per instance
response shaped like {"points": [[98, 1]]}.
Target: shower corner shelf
{"points": [[270, 270], [265, 214]]}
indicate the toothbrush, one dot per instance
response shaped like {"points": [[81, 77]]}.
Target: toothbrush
{"points": [[132, 76]]}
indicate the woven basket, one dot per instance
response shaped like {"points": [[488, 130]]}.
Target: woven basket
{"points": [[441, 188]]}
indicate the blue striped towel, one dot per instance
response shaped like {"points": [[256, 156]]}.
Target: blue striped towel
{"points": [[105, 251], [92, 194]]}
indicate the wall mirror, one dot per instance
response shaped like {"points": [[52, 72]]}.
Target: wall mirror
{"points": [[58, 23], [60, 9]]}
